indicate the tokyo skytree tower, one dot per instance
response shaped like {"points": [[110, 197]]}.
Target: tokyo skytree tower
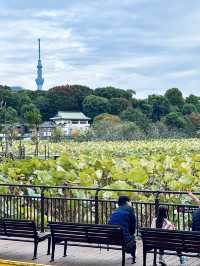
{"points": [[39, 80]]}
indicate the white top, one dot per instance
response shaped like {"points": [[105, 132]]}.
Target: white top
{"points": [[166, 224]]}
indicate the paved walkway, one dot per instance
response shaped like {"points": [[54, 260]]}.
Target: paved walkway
{"points": [[19, 251]]}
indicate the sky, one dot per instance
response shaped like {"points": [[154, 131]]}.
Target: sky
{"points": [[145, 45]]}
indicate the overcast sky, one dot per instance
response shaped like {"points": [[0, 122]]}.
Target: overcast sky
{"points": [[146, 45]]}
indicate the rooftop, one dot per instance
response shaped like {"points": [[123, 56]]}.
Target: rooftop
{"points": [[47, 124], [70, 116]]}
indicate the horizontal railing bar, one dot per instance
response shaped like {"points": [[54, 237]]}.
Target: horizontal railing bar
{"points": [[20, 196], [99, 189]]}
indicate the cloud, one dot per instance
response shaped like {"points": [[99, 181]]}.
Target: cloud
{"points": [[144, 45]]}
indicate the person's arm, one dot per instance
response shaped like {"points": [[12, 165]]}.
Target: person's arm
{"points": [[132, 225], [193, 197], [169, 225], [153, 224]]}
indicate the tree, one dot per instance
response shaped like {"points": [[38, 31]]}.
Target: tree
{"points": [[95, 105], [160, 106], [194, 100], [7, 97], [11, 134], [67, 98], [131, 131], [33, 118], [189, 108], [27, 108], [118, 105], [175, 97], [136, 116], [175, 120], [23, 98], [75, 133], [111, 92], [145, 108], [106, 130], [8, 115], [107, 117], [42, 103], [195, 119], [57, 134]]}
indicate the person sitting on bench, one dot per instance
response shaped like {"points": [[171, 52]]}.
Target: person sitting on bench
{"points": [[196, 214], [124, 215], [161, 221]]}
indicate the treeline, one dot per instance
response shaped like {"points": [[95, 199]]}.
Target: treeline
{"points": [[157, 115]]}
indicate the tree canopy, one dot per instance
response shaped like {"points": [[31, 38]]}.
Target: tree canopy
{"points": [[155, 113]]}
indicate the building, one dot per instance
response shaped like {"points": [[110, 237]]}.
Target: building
{"points": [[39, 80], [69, 121], [46, 128]]}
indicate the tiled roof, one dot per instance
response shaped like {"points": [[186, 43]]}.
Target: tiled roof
{"points": [[47, 124], [70, 116]]}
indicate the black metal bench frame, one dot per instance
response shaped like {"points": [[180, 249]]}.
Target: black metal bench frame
{"points": [[23, 231], [185, 243], [96, 236]]}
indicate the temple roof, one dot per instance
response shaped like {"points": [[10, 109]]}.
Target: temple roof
{"points": [[70, 116]]}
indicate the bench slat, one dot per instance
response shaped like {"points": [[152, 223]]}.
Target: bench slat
{"points": [[99, 234], [173, 240]]}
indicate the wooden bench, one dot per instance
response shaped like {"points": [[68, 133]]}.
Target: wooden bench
{"points": [[21, 230], [96, 236], [186, 243]]}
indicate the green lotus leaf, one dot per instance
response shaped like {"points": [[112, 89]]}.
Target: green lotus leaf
{"points": [[137, 175]]}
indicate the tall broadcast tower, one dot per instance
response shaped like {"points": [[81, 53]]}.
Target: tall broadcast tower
{"points": [[39, 80]]}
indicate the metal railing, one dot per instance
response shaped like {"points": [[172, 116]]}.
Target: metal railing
{"points": [[61, 203], [20, 152]]}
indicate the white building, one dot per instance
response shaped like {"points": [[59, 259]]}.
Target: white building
{"points": [[69, 121]]}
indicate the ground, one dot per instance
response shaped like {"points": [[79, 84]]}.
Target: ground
{"points": [[20, 251]]}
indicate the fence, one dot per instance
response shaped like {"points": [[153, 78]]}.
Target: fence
{"points": [[64, 205], [20, 151]]}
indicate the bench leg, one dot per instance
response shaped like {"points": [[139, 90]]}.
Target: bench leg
{"points": [[144, 257], [49, 246], [35, 250], [154, 257], [65, 249], [123, 256], [53, 250]]}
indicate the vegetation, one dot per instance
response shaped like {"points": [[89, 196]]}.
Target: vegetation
{"points": [[157, 116], [156, 165]]}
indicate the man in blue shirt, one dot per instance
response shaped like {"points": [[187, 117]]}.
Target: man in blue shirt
{"points": [[124, 215]]}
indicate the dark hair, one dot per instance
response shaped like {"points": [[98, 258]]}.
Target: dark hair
{"points": [[123, 200], [162, 214]]}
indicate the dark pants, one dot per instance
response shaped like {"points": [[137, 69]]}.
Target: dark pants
{"points": [[131, 248]]}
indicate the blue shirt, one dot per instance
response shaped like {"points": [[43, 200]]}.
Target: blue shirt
{"points": [[125, 217], [196, 221]]}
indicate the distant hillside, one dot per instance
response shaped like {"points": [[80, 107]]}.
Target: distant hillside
{"points": [[17, 88]]}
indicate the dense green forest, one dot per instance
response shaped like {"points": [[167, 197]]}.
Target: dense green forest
{"points": [[113, 111]]}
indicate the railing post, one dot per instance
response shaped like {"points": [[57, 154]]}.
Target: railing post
{"points": [[42, 212], [97, 206], [48, 151], [23, 152], [157, 202], [45, 151]]}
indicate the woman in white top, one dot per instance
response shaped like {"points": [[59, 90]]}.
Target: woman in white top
{"points": [[162, 222]]}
